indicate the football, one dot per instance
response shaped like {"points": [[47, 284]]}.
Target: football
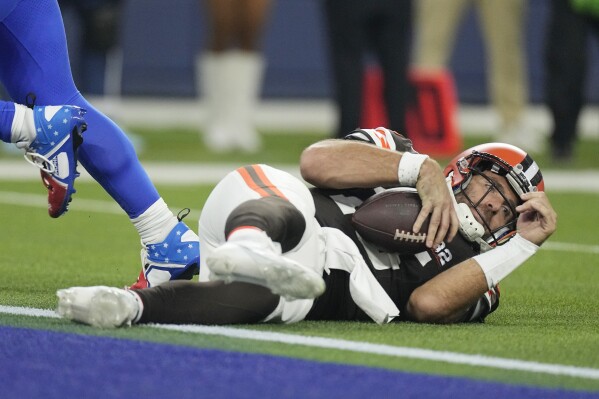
{"points": [[386, 220]]}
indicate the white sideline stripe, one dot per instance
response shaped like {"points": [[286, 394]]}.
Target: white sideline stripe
{"points": [[356, 346], [21, 311], [570, 247], [40, 201], [79, 205]]}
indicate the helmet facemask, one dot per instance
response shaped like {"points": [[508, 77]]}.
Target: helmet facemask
{"points": [[501, 234]]}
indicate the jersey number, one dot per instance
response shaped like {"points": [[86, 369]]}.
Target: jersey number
{"points": [[443, 254]]}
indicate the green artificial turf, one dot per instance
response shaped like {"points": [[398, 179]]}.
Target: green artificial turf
{"points": [[548, 309]]}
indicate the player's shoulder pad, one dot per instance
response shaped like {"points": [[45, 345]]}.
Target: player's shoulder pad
{"points": [[383, 138]]}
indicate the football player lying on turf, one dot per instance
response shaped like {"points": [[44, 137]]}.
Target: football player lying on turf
{"points": [[275, 251]]}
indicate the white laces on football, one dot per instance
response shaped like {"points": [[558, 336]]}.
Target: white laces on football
{"points": [[40, 161]]}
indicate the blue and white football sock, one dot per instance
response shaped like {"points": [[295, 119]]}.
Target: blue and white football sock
{"points": [[155, 223]]}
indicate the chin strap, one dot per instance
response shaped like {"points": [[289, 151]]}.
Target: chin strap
{"points": [[470, 228]]}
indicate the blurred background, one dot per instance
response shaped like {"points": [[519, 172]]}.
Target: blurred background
{"points": [[137, 60], [159, 44]]}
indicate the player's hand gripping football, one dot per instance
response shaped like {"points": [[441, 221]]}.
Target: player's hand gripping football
{"points": [[437, 202], [537, 220]]}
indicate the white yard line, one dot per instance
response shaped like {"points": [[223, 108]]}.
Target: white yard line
{"points": [[357, 346], [570, 247], [169, 173]]}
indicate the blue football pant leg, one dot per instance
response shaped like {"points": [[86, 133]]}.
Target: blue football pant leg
{"points": [[29, 65]]}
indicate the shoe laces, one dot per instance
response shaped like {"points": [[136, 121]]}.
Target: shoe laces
{"points": [[40, 161], [183, 213], [33, 157]]}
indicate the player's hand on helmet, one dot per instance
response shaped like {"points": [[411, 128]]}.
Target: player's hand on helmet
{"points": [[437, 203], [537, 220]]}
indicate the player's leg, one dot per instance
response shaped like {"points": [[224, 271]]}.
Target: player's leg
{"points": [[246, 67], [566, 57], [231, 78], [211, 75], [50, 136], [206, 303], [436, 23], [177, 302], [392, 45], [252, 16], [258, 233], [503, 28], [244, 236], [255, 213], [29, 65], [347, 46]]}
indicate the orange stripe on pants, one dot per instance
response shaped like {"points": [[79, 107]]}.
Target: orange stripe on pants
{"points": [[256, 179]]}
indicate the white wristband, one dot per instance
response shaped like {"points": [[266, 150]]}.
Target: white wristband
{"points": [[504, 259], [409, 168]]}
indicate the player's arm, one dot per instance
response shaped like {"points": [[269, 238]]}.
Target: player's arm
{"points": [[447, 297], [342, 164]]}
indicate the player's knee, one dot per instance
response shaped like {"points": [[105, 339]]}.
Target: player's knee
{"points": [[276, 216]]}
